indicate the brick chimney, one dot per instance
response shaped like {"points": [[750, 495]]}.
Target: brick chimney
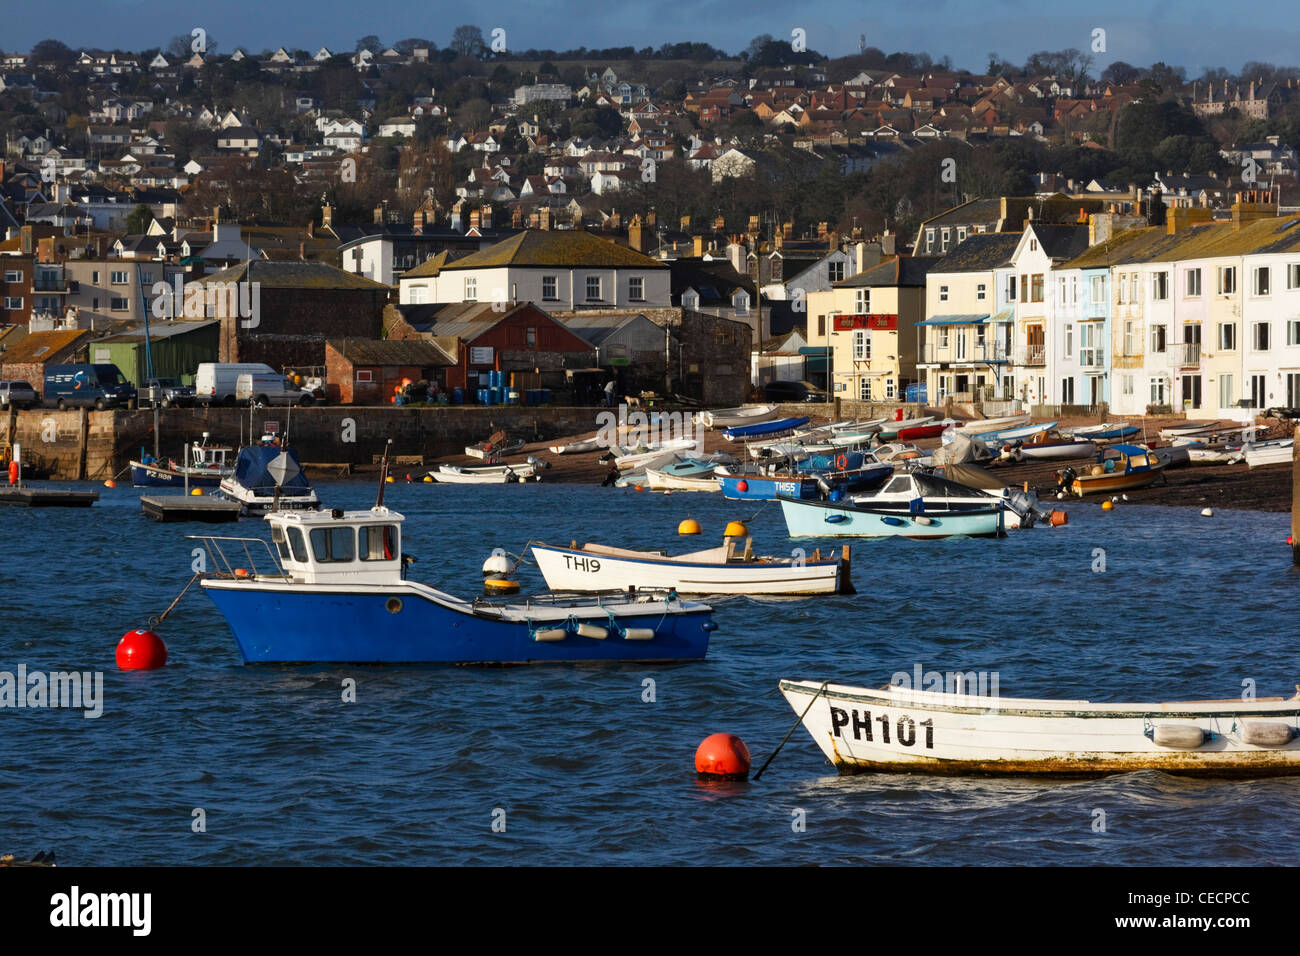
{"points": [[379, 213], [636, 234], [720, 224], [686, 223], [753, 225], [544, 217], [1181, 218], [417, 220], [822, 228], [652, 219], [866, 255], [697, 246], [474, 218], [486, 217], [615, 220], [832, 241], [326, 215], [887, 243], [517, 218], [1251, 206], [787, 230]]}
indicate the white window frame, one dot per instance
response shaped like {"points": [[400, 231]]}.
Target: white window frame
{"points": [[1193, 284], [862, 301], [636, 289], [596, 281], [471, 288], [119, 277], [1227, 280], [980, 292], [554, 294], [1262, 281], [1256, 337], [1227, 336]]}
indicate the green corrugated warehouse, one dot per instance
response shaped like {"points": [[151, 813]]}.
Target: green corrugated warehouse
{"points": [[177, 348]]}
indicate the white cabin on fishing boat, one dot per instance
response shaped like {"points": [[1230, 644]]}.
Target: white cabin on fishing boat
{"points": [[338, 547]]}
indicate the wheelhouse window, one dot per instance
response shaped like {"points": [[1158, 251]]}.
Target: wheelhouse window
{"points": [[333, 545], [378, 542], [298, 545]]}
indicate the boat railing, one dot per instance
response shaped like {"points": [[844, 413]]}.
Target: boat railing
{"points": [[220, 563]]}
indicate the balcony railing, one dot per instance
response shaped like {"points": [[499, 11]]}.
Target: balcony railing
{"points": [[935, 354], [1032, 355], [49, 284], [1185, 353]]}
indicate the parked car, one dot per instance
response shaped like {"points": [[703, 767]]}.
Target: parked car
{"points": [[794, 392], [170, 392], [84, 386], [18, 395]]}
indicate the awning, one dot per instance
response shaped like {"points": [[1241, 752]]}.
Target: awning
{"points": [[1006, 315], [814, 350], [956, 320]]}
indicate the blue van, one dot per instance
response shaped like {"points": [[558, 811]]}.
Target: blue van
{"points": [[78, 386]]}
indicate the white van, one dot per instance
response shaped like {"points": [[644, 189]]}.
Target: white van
{"points": [[269, 388], [215, 382]]}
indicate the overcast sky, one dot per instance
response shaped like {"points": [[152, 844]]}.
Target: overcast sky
{"points": [[1190, 33]]}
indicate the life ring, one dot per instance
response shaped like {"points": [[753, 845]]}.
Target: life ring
{"points": [[842, 462]]}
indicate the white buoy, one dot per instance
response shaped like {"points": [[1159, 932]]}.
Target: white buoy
{"points": [[498, 563], [1207, 512]]}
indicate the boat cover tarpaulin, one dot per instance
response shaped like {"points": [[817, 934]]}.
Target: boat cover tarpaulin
{"points": [[933, 486], [962, 449], [251, 471], [974, 476]]}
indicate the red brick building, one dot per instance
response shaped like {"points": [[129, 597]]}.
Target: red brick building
{"points": [[523, 338], [365, 371]]}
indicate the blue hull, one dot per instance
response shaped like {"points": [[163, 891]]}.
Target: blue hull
{"points": [[284, 624], [152, 476], [818, 519], [758, 488], [763, 428]]}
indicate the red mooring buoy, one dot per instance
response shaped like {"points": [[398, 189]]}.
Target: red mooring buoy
{"points": [[722, 757], [141, 651]]}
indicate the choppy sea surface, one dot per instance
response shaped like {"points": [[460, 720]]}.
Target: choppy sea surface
{"points": [[577, 762]]}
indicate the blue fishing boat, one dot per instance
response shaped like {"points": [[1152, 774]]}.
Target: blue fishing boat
{"points": [[763, 428], [821, 519], [1107, 432], [754, 487], [334, 590], [207, 467]]}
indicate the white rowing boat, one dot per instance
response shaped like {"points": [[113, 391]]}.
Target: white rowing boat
{"points": [[645, 456], [489, 475], [577, 447], [658, 480], [720, 570], [957, 724], [1275, 452], [741, 415]]}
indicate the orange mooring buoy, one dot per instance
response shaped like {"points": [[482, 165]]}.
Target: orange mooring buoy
{"points": [[722, 757], [1059, 518], [141, 651]]}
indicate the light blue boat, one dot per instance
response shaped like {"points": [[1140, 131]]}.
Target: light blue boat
{"points": [[825, 519]]}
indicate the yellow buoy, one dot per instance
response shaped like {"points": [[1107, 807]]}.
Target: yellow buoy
{"points": [[429, 479], [500, 586], [196, 491], [1107, 505], [389, 479], [689, 526], [735, 529]]}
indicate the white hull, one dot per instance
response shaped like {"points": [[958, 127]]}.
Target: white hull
{"points": [[902, 729], [577, 447], [1081, 449], [651, 457], [1268, 453], [705, 572], [657, 480], [500, 475], [260, 504], [891, 429], [743, 415]]}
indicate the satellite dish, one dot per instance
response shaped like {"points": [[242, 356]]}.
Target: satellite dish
{"points": [[283, 469]]}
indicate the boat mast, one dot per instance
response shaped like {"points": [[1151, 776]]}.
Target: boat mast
{"points": [[383, 475]]}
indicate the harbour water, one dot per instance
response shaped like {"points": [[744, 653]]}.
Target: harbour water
{"points": [[592, 764]]}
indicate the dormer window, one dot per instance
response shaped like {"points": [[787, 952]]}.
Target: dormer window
{"points": [[691, 300], [740, 301]]}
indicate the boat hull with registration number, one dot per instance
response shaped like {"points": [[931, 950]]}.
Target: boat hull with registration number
{"points": [[900, 728]]}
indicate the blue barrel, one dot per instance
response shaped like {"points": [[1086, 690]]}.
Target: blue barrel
{"points": [[458, 396], [512, 396], [546, 396], [496, 379], [483, 396]]}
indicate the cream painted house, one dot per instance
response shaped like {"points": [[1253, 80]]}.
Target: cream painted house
{"points": [[867, 324], [559, 270]]}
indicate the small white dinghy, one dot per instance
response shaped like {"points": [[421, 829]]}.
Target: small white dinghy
{"points": [[959, 731], [577, 447], [488, 475], [645, 456], [741, 415], [720, 570], [1275, 452]]}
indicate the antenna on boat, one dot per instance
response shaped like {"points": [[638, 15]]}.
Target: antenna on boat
{"points": [[383, 475]]}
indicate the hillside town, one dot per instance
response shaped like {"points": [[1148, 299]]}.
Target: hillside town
{"points": [[692, 224]]}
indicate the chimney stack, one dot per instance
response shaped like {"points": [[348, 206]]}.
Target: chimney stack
{"points": [[697, 246], [686, 223], [887, 243], [636, 235], [544, 217], [326, 216]]}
